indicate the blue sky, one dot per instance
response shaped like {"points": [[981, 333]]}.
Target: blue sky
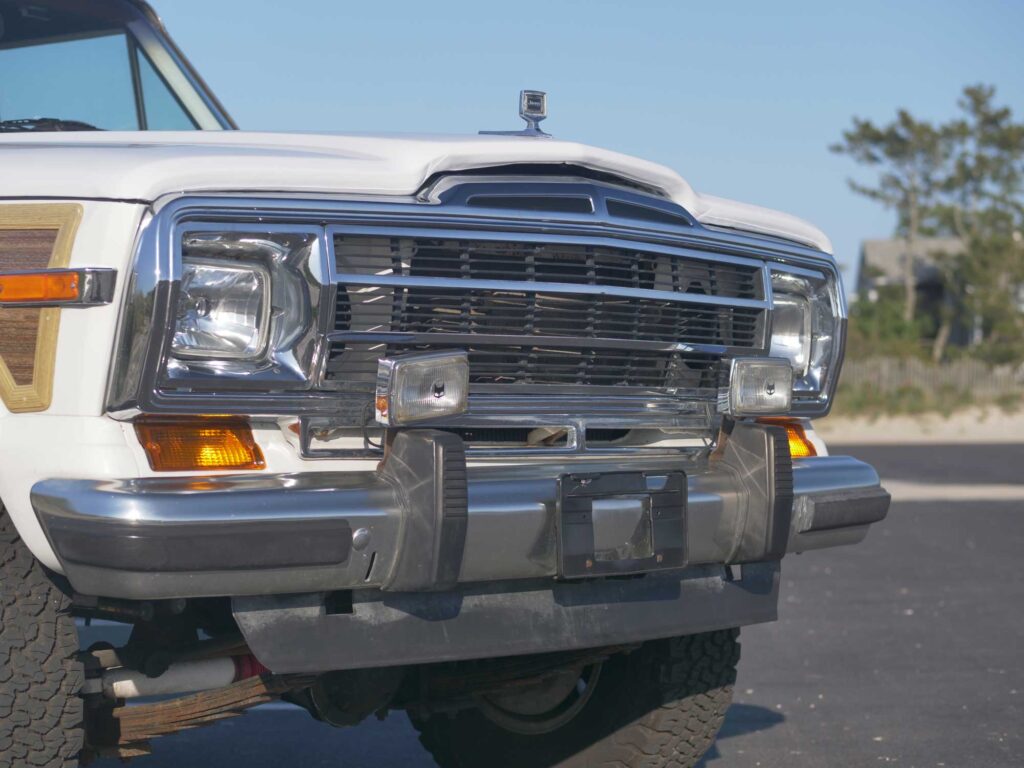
{"points": [[742, 98]]}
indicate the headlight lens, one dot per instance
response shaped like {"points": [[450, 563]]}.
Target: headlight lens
{"points": [[791, 331], [246, 309], [223, 311], [805, 330]]}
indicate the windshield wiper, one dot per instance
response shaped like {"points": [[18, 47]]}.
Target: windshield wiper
{"points": [[44, 124]]}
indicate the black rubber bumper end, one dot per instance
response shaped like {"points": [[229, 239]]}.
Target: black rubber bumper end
{"points": [[844, 509], [427, 468]]}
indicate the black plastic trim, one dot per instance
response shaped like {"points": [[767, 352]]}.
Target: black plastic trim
{"points": [[782, 501], [428, 469], [844, 509], [219, 546]]}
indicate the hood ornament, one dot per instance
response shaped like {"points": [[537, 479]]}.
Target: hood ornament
{"points": [[533, 107]]}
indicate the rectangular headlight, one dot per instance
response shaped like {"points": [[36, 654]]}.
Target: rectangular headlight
{"points": [[247, 307], [791, 330], [806, 330], [223, 311]]}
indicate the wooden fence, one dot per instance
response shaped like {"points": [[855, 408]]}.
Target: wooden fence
{"points": [[890, 375]]}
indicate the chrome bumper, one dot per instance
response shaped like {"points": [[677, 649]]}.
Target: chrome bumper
{"points": [[282, 534]]}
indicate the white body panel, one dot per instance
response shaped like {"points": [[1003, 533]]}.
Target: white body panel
{"points": [[144, 166], [72, 438]]}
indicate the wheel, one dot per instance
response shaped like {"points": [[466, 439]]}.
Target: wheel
{"points": [[41, 712], [658, 707]]}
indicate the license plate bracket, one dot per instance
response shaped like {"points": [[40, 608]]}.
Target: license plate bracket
{"points": [[618, 523]]}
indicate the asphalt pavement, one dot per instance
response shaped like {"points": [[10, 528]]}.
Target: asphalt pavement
{"points": [[907, 650]]}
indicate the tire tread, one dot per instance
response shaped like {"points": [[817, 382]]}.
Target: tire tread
{"points": [[41, 712], [671, 702]]}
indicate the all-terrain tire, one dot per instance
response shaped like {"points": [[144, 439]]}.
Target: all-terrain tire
{"points": [[658, 707], [40, 708]]}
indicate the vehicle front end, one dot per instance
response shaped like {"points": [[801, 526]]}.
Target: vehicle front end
{"points": [[393, 429], [455, 425], [574, 332]]}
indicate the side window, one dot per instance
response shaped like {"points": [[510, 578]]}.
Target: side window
{"points": [[87, 79], [163, 110]]}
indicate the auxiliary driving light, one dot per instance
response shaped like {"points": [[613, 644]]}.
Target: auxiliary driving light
{"points": [[422, 386], [758, 386]]}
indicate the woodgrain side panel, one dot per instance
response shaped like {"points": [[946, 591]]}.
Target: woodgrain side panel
{"points": [[32, 236], [22, 249]]}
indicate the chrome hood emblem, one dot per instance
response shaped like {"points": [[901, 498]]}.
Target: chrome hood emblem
{"points": [[533, 108]]}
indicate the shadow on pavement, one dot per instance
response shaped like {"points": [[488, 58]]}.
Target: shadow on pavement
{"points": [[277, 735], [740, 720]]}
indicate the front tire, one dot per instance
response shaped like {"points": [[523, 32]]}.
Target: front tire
{"points": [[658, 707], [40, 678]]}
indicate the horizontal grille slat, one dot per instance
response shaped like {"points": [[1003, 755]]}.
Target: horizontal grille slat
{"points": [[548, 335], [482, 260], [474, 311], [356, 364]]}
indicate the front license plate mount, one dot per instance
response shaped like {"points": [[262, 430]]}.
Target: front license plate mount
{"points": [[619, 523]]}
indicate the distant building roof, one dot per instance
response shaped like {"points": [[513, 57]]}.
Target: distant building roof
{"points": [[881, 261]]}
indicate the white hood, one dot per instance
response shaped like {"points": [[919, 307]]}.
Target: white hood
{"points": [[143, 166]]}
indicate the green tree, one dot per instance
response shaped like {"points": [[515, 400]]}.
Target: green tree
{"points": [[910, 157], [981, 204], [965, 179]]}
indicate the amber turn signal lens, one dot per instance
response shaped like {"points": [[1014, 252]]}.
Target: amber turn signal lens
{"points": [[800, 447], [31, 287], [183, 446]]}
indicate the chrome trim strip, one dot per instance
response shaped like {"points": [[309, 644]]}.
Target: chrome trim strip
{"points": [[567, 342], [688, 414], [392, 209], [197, 101], [540, 287], [195, 78], [830, 474]]}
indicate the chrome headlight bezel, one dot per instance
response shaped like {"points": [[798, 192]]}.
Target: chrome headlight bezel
{"points": [[819, 292], [146, 375]]}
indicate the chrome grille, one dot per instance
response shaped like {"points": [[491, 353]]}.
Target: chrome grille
{"points": [[543, 313], [543, 262]]}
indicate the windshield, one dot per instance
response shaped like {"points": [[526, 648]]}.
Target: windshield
{"points": [[102, 65]]}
